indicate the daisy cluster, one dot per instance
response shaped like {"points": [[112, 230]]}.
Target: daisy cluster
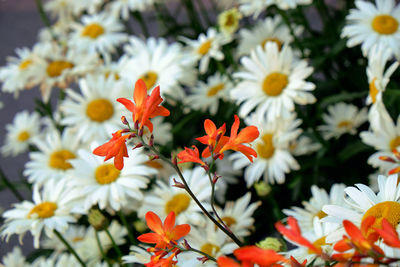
{"points": [[103, 170]]}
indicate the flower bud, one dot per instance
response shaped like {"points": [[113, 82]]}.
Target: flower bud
{"points": [[271, 243], [97, 219], [140, 226], [178, 184], [262, 188], [124, 120]]}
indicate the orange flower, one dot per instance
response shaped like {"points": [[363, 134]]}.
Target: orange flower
{"points": [[114, 148], [164, 234], [293, 233], [256, 255], [389, 234], [212, 133], [145, 107], [224, 261], [158, 260], [189, 155]]}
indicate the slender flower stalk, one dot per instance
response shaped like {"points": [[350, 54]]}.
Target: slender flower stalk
{"points": [[103, 254], [70, 249]]}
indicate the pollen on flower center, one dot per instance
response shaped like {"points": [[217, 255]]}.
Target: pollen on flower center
{"points": [[272, 39], [178, 203], [345, 124], [55, 68], [266, 149], [395, 142], [154, 164], [59, 159], [274, 83], [320, 214], [150, 79], [210, 249], [390, 210], [93, 30], [204, 47], [23, 136], [43, 210], [215, 89], [318, 244], [228, 220], [106, 174], [99, 110], [77, 239], [385, 24], [24, 64]]}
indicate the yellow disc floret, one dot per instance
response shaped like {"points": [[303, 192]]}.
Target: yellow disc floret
{"points": [[43, 210], [385, 24], [373, 91], [210, 249], [390, 210], [320, 214], [55, 68], [215, 89], [23, 136], [345, 124], [266, 149], [106, 174], [395, 142], [204, 47], [272, 39], [93, 30], [99, 110], [274, 83], [24, 64], [59, 159], [150, 78], [178, 203]]}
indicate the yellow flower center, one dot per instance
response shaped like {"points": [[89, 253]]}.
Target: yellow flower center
{"points": [[272, 39], [99, 110], [55, 68], [204, 47], [320, 214], [150, 79], [93, 30], [318, 244], [395, 142], [154, 164], [59, 159], [43, 210], [266, 149], [23, 136], [390, 210], [274, 83], [178, 203], [373, 91], [385, 24], [228, 220], [106, 173], [116, 76], [210, 249], [77, 239], [24, 64], [215, 89], [345, 124]]}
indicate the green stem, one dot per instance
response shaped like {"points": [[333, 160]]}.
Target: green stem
{"points": [[114, 244], [45, 18], [189, 191], [103, 254], [10, 186], [287, 22], [125, 223], [70, 249], [197, 251], [139, 18]]}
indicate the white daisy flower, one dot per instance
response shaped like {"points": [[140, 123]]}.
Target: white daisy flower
{"points": [[255, 7], [206, 46], [384, 135], [371, 24], [273, 156], [303, 145], [342, 118], [63, 10], [20, 133], [268, 30], [271, 82], [49, 211], [313, 208], [137, 255], [208, 239], [74, 236], [122, 8], [98, 33], [99, 183], [95, 114], [15, 258], [51, 162], [237, 215], [166, 198], [206, 96], [364, 203], [158, 63], [378, 78], [18, 74], [56, 261]]}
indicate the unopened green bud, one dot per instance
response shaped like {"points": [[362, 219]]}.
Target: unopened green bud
{"points": [[140, 226], [271, 243], [97, 219], [262, 188]]}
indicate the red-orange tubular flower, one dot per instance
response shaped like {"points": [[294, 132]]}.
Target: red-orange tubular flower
{"points": [[224, 261], [144, 107], [189, 155], [293, 233], [389, 234], [114, 148], [260, 256], [164, 234]]}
